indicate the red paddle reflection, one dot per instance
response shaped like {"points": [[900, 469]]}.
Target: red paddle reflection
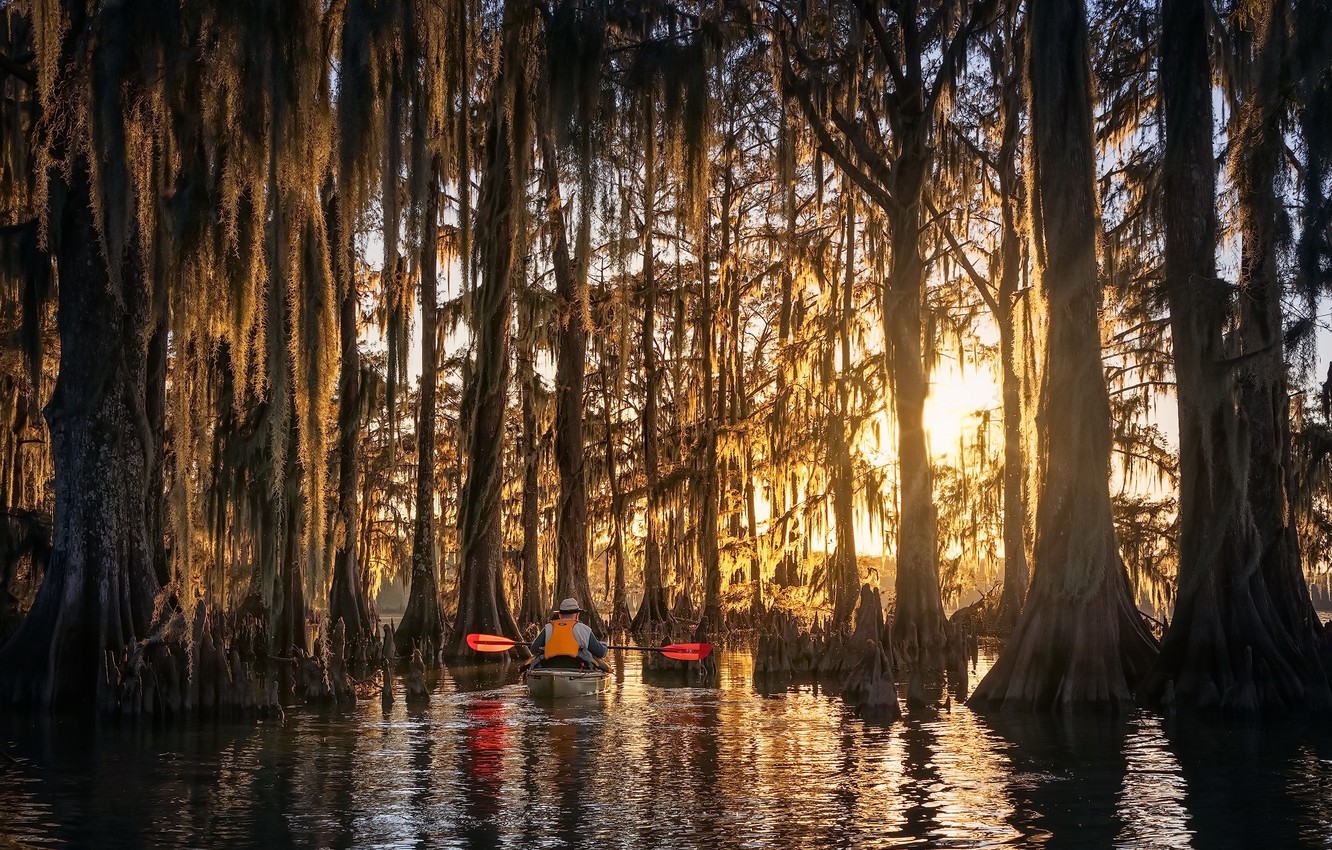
{"points": [[484, 745]]}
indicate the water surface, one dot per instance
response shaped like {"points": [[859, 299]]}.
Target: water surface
{"points": [[649, 766]]}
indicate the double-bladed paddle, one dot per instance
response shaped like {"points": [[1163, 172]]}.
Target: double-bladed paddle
{"points": [[678, 651]]}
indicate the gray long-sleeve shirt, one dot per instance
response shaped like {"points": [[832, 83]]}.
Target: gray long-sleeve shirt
{"points": [[587, 641]]}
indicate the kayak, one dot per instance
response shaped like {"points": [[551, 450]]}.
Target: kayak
{"points": [[553, 683]]}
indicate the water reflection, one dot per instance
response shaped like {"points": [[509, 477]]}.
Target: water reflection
{"points": [[1064, 779], [481, 765], [1237, 777]]}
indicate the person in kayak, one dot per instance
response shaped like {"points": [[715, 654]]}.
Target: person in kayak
{"points": [[565, 642]]}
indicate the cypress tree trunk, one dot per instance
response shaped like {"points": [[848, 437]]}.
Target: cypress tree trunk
{"points": [[423, 622], [780, 481], [1264, 390], [1079, 643], [288, 609], [346, 601], [483, 605], [918, 619], [653, 610], [570, 365], [1015, 507], [155, 412], [98, 591], [708, 498], [620, 617], [1227, 648], [844, 571], [1016, 575], [530, 610]]}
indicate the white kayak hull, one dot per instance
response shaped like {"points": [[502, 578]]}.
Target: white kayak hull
{"points": [[546, 683]]}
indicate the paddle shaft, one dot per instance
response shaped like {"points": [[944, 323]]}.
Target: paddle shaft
{"points": [[678, 651], [498, 646], [645, 648]]}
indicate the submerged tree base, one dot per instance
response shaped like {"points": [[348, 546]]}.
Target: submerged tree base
{"points": [[1078, 656], [702, 673], [654, 615], [859, 666], [214, 665], [422, 626], [1234, 658]]}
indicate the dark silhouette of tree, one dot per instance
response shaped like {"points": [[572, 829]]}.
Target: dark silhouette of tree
{"points": [[483, 604], [1080, 643]]}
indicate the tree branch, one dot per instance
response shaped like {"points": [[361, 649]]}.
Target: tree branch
{"points": [[829, 145], [18, 67], [982, 286]]}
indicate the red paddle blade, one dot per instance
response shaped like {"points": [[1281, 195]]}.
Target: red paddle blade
{"points": [[490, 643], [687, 651]]}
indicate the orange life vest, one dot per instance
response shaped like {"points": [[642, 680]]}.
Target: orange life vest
{"points": [[561, 641]]}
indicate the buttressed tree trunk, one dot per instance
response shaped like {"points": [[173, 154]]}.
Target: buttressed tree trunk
{"points": [[1227, 648], [483, 605], [653, 610], [1080, 643], [99, 587], [422, 621], [1264, 389], [346, 601]]}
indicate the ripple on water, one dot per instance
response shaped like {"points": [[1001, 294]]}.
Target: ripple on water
{"points": [[646, 766]]}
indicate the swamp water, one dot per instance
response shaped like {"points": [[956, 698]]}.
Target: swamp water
{"points": [[672, 767]]}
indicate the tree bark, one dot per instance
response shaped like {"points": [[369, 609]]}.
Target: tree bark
{"points": [[1263, 384], [98, 591], [712, 412], [1080, 643], [918, 618], [620, 617], [423, 621], [1016, 571], [780, 478], [530, 609], [288, 608], [155, 412], [844, 571], [1016, 575], [570, 366], [653, 611], [483, 605], [346, 601], [1237, 644]]}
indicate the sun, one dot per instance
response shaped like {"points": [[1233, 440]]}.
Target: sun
{"points": [[957, 400], [956, 403]]}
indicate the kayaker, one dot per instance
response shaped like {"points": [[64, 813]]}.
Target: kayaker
{"points": [[565, 642]]}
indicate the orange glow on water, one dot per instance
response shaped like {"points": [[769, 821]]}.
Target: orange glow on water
{"points": [[648, 765]]}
